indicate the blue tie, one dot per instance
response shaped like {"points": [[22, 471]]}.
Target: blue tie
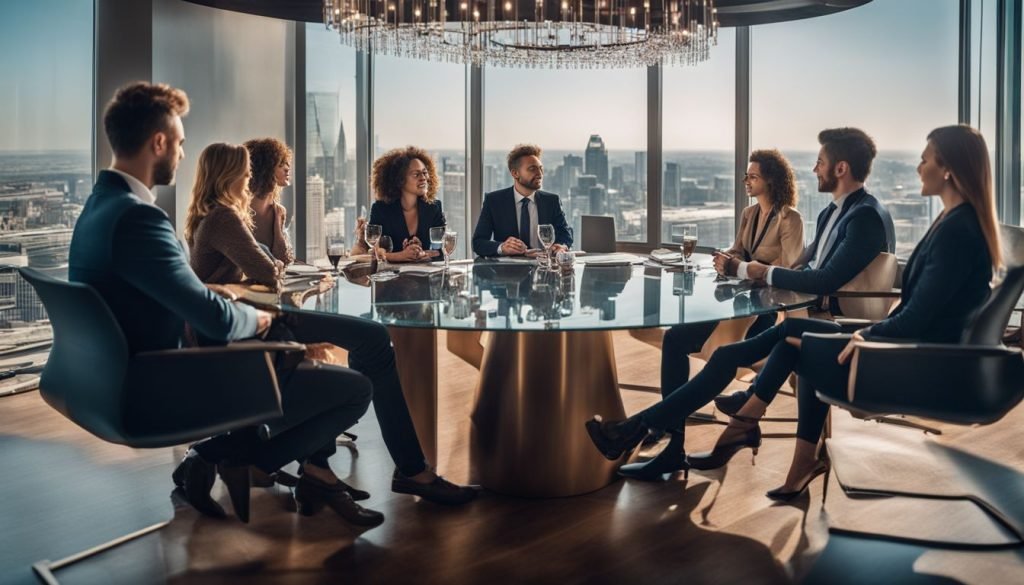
{"points": [[524, 222]]}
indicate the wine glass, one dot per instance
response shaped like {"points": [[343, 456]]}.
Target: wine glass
{"points": [[689, 233], [436, 236], [335, 249], [448, 243], [383, 248], [372, 235], [546, 234]]}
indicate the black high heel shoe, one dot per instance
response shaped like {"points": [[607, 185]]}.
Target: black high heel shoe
{"points": [[779, 495], [671, 459], [236, 479], [613, 438], [311, 495], [723, 452]]}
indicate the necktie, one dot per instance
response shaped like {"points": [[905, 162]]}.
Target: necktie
{"points": [[524, 222]]}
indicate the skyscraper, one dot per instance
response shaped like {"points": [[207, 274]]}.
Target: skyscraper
{"points": [[340, 167], [641, 169], [597, 159], [314, 218], [671, 186], [321, 121]]}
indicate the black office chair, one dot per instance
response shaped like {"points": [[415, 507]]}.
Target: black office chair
{"points": [[149, 399], [974, 382]]}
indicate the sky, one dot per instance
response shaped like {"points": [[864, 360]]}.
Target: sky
{"points": [[888, 66]]}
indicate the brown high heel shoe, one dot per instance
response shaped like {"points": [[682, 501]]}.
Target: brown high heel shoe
{"points": [[723, 452]]}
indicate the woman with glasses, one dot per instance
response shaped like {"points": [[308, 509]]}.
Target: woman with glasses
{"points": [[405, 188], [271, 162]]}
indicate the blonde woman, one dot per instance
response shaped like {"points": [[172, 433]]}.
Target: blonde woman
{"points": [[271, 162], [219, 224]]}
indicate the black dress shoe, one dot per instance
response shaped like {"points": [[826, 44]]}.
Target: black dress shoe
{"points": [[439, 491], [311, 495], [652, 438], [779, 495], [731, 403], [671, 459], [195, 477], [613, 438]]}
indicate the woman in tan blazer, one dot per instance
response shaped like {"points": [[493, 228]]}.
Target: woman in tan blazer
{"points": [[772, 230]]}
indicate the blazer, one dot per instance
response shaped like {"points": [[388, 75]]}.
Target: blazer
{"points": [[946, 279], [780, 244], [127, 250], [223, 250], [863, 230], [499, 220], [392, 221]]}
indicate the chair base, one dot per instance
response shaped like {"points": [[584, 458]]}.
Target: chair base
{"points": [[44, 569]]}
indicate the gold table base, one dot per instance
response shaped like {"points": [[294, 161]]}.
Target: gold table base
{"points": [[536, 391]]}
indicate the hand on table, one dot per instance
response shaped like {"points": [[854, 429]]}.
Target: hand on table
{"points": [[725, 264], [513, 246], [757, 271]]}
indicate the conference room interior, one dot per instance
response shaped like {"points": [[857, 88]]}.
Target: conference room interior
{"points": [[499, 387]]}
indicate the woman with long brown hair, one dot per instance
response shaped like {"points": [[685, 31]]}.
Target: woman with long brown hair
{"points": [[218, 226], [271, 162]]}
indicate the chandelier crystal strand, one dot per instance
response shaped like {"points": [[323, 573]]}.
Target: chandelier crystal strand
{"points": [[570, 34]]}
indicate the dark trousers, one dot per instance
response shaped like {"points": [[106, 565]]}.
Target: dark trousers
{"points": [[371, 354], [672, 411], [319, 403], [819, 372], [682, 340]]}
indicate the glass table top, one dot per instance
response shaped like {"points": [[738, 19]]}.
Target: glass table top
{"points": [[600, 292]]}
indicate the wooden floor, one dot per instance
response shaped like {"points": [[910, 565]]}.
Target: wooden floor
{"points": [[64, 491]]}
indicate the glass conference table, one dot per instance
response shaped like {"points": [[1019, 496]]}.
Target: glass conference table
{"points": [[548, 363]]}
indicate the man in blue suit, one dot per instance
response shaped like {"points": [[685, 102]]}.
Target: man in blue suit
{"points": [[125, 247], [509, 217]]}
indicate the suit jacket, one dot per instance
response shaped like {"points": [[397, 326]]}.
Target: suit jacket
{"points": [[945, 281], [127, 250], [499, 220], [782, 243], [392, 221], [863, 230]]}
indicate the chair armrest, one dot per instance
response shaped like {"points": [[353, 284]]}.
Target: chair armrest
{"points": [[955, 383], [177, 396], [236, 346]]}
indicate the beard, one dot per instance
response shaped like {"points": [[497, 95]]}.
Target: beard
{"points": [[534, 184], [163, 171], [829, 183]]}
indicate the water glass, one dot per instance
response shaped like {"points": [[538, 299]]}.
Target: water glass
{"points": [[448, 243], [546, 234], [436, 236]]}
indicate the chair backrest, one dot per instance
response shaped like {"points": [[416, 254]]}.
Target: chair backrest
{"points": [[989, 323], [84, 374], [597, 234], [1012, 239], [879, 275]]}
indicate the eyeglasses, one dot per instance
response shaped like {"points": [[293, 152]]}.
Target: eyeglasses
{"points": [[751, 177], [420, 174]]}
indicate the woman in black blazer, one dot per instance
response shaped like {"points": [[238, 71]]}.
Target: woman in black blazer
{"points": [[946, 279], [405, 187]]}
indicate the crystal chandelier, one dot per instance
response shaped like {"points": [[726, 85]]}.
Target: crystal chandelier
{"points": [[577, 34]]}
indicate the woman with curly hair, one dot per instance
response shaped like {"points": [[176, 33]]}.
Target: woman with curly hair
{"points": [[271, 172], [405, 188], [218, 226]]}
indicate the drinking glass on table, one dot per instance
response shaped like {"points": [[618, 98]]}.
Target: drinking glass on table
{"points": [[689, 234], [448, 243], [546, 235], [335, 250], [437, 236], [382, 249], [372, 235]]}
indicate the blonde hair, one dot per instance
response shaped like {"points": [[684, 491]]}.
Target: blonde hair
{"points": [[220, 166]]}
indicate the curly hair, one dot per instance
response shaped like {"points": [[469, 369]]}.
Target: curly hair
{"points": [[388, 175], [137, 111], [519, 152], [220, 165], [778, 175], [264, 155]]}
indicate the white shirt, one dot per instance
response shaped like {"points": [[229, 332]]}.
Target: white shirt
{"points": [[137, 188], [531, 208], [824, 245]]}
